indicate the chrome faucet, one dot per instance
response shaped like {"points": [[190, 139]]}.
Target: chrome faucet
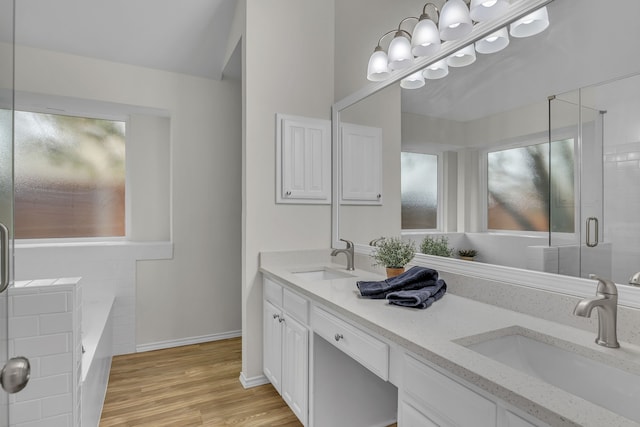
{"points": [[606, 301], [348, 251]]}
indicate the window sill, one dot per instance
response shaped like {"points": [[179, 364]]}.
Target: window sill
{"points": [[108, 248]]}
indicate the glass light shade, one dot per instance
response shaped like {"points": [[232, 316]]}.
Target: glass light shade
{"points": [[455, 21], [378, 68], [463, 57], [436, 71], [400, 55], [485, 10], [426, 38], [531, 24], [413, 81], [493, 43]]}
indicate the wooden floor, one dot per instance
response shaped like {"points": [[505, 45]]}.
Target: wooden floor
{"points": [[195, 385]]}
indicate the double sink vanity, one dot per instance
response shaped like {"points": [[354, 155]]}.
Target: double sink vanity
{"points": [[339, 359]]}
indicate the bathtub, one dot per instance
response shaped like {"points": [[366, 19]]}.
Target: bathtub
{"points": [[97, 337]]}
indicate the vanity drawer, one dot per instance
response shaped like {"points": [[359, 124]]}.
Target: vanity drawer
{"points": [[369, 351], [297, 306], [445, 397], [272, 292]]}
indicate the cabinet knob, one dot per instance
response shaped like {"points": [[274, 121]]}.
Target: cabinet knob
{"points": [[280, 319], [276, 316], [288, 193], [338, 337], [379, 196]]}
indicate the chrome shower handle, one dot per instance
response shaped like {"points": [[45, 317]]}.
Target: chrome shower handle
{"points": [[588, 239], [4, 257]]}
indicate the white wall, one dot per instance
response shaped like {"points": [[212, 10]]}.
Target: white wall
{"points": [[288, 68], [196, 294]]}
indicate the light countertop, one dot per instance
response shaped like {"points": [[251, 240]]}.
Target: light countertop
{"points": [[430, 334]]}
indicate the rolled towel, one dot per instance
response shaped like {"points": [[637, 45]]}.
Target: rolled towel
{"points": [[414, 278], [418, 298]]}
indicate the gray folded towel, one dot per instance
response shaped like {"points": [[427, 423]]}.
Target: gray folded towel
{"points": [[414, 278], [418, 298]]}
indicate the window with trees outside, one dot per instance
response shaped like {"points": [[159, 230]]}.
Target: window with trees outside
{"points": [[419, 191], [69, 176], [529, 185]]}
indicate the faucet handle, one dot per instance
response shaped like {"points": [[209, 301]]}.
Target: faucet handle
{"points": [[605, 286], [348, 242]]}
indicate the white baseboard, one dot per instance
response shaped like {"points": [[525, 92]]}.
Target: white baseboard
{"points": [[186, 341], [253, 381]]}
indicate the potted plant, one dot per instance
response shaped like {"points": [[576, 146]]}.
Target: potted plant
{"points": [[467, 254], [393, 253], [438, 246]]}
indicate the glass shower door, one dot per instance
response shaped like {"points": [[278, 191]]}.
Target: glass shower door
{"points": [[576, 187], [6, 183]]}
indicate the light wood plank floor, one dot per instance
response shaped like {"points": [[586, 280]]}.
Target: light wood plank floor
{"points": [[195, 385]]}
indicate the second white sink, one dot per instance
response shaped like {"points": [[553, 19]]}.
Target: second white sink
{"points": [[592, 380], [321, 273]]}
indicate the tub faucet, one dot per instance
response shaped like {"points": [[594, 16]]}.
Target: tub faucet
{"points": [[606, 301], [348, 251]]}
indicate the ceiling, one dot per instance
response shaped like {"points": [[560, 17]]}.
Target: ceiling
{"points": [[182, 36]]}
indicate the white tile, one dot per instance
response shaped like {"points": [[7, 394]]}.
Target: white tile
{"points": [[56, 364], [57, 405], [45, 387], [56, 323], [22, 412], [23, 326], [25, 305], [42, 345]]}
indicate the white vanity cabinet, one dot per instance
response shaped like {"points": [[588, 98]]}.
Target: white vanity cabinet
{"points": [[286, 346], [429, 397]]}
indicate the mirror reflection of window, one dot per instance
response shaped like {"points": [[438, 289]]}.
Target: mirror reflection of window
{"points": [[523, 188], [69, 176], [419, 186]]}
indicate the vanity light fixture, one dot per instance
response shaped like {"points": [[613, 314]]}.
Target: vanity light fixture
{"points": [[463, 57], [493, 43], [530, 25], [453, 22], [413, 81]]}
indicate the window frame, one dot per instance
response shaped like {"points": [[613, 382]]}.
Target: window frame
{"points": [[521, 142], [439, 199]]}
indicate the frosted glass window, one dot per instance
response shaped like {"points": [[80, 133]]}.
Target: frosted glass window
{"points": [[523, 188], [69, 176], [419, 178]]}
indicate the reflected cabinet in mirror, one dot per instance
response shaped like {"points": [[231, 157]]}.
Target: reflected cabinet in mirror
{"points": [[530, 155]]}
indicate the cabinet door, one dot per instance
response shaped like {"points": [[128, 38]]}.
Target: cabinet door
{"points": [[361, 164], [411, 417], [295, 367], [272, 344], [304, 154]]}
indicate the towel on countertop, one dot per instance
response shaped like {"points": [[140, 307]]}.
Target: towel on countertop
{"points": [[414, 278], [418, 298]]}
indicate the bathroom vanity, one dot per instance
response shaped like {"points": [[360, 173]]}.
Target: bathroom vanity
{"points": [[339, 359]]}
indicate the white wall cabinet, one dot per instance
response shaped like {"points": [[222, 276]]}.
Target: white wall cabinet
{"points": [[361, 165], [303, 160], [286, 346]]}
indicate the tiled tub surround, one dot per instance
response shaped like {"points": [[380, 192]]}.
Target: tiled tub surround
{"points": [[49, 323], [472, 307]]}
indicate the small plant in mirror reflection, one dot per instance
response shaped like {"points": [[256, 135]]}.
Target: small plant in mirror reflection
{"points": [[438, 246], [393, 252], [467, 253]]}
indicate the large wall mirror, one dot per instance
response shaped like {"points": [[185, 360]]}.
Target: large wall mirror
{"points": [[530, 155]]}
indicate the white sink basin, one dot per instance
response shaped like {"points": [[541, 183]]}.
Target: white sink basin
{"points": [[592, 380], [321, 273]]}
